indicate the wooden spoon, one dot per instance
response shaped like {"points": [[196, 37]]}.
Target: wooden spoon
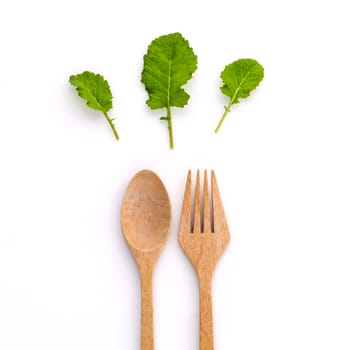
{"points": [[145, 220]]}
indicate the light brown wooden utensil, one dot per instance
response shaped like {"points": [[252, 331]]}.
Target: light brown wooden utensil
{"points": [[145, 220], [203, 238]]}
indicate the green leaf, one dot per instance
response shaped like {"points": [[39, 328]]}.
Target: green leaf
{"points": [[168, 64], [240, 78], [95, 90]]}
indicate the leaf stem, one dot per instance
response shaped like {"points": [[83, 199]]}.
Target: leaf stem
{"points": [[227, 109], [110, 122], [170, 127]]}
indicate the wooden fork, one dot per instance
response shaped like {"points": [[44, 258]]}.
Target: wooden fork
{"points": [[203, 238]]}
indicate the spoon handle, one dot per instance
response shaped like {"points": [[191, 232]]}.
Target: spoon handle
{"points": [[206, 316], [147, 309]]}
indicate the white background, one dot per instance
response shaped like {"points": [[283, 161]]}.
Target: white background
{"points": [[67, 279]]}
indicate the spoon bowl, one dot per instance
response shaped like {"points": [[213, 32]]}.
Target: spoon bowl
{"points": [[146, 214]]}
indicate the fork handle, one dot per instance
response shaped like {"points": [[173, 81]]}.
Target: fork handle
{"points": [[147, 342], [206, 315]]}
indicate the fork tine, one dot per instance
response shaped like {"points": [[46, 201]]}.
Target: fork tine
{"points": [[220, 223], [206, 205], [197, 207], [185, 218]]}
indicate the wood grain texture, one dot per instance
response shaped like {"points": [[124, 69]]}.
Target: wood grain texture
{"points": [[203, 237], [145, 219]]}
